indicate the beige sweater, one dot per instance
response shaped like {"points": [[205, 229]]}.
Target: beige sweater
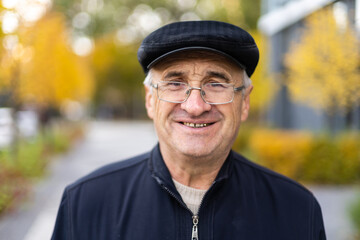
{"points": [[191, 196]]}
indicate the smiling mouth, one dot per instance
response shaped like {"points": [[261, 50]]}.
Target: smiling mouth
{"points": [[196, 125]]}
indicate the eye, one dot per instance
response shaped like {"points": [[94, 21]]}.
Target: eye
{"points": [[216, 85], [173, 84]]}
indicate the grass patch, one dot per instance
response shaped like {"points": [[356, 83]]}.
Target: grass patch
{"points": [[354, 213]]}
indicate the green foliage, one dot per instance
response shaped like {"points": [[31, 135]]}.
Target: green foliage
{"points": [[354, 213], [27, 161], [251, 12], [13, 187], [6, 193], [322, 159], [58, 141], [4, 197]]}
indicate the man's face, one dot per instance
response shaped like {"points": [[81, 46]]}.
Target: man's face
{"points": [[195, 128]]}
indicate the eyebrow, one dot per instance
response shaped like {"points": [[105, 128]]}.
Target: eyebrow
{"points": [[218, 75], [209, 74], [173, 74]]}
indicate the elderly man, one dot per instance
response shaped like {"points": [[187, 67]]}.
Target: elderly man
{"points": [[192, 185]]}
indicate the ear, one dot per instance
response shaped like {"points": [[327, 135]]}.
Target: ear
{"points": [[246, 103], [149, 102]]}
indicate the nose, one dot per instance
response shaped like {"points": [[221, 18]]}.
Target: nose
{"points": [[195, 105]]}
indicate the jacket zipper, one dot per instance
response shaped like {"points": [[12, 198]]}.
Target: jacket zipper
{"points": [[195, 230], [195, 218], [195, 235]]}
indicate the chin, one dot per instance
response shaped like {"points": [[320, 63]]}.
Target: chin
{"points": [[198, 150]]}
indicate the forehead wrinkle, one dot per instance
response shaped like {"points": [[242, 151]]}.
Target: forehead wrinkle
{"points": [[195, 66], [209, 71]]}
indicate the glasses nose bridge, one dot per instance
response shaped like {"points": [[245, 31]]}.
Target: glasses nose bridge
{"points": [[189, 90]]}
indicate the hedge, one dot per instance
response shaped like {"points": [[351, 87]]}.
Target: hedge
{"points": [[304, 156]]}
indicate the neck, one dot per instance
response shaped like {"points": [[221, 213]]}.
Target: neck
{"points": [[193, 171]]}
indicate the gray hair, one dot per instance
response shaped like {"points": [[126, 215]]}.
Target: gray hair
{"points": [[148, 79], [246, 80]]}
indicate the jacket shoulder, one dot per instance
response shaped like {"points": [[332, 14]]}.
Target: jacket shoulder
{"points": [[270, 176], [112, 168]]}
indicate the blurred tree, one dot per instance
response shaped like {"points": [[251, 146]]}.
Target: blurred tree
{"points": [[50, 72], [119, 77], [6, 66], [264, 87], [241, 12], [251, 11], [9, 72], [4, 63], [323, 67]]}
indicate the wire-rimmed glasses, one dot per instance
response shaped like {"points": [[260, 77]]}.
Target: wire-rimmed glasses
{"points": [[212, 92]]}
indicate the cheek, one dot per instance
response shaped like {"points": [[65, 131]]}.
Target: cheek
{"points": [[236, 116], [231, 116], [156, 111], [238, 110], [161, 110]]}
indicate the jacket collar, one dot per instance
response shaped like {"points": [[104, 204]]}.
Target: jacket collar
{"points": [[161, 173]]}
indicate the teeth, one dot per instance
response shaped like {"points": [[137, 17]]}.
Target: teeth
{"points": [[196, 125]]}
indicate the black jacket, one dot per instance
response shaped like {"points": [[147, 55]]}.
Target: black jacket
{"points": [[136, 199]]}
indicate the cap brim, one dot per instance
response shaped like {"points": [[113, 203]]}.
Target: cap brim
{"points": [[158, 59]]}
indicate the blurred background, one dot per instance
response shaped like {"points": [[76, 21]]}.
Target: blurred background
{"points": [[70, 85]]}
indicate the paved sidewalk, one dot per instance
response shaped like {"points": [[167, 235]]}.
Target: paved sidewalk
{"points": [[334, 202], [111, 141]]}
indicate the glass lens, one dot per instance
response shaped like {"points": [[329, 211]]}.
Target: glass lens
{"points": [[218, 92], [172, 91]]}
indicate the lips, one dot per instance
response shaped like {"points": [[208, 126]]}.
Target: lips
{"points": [[206, 120], [196, 125]]}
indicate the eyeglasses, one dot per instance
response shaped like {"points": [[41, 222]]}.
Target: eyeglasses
{"points": [[211, 93]]}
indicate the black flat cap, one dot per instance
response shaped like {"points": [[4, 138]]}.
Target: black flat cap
{"points": [[220, 37]]}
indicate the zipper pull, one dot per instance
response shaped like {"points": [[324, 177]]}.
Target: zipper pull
{"points": [[195, 235]]}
